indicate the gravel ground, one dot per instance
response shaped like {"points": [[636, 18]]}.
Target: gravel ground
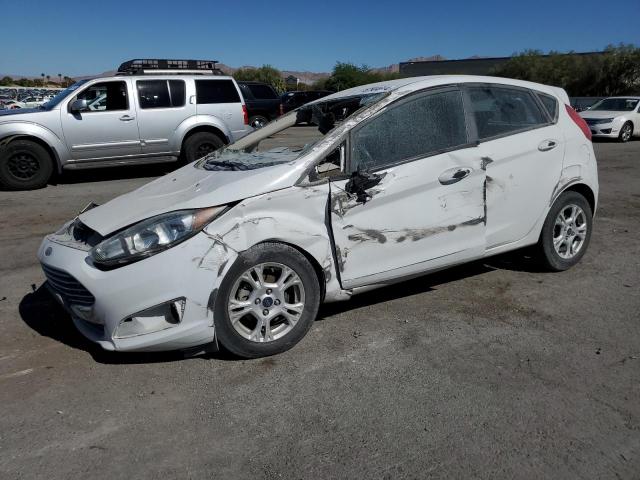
{"points": [[490, 370]]}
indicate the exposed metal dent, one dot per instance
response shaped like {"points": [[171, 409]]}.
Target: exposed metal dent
{"points": [[414, 234], [562, 184]]}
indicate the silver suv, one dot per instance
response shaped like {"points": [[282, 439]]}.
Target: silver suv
{"points": [[151, 111]]}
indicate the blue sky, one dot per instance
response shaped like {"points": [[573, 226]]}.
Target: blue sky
{"points": [[75, 38]]}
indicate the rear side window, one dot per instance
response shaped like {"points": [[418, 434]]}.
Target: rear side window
{"points": [[550, 104], [500, 111], [160, 93], [216, 91], [262, 92], [417, 128]]}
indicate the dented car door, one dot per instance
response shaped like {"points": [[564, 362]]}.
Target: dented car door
{"points": [[422, 206]]}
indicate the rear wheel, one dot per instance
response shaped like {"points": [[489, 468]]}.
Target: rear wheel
{"points": [[258, 121], [201, 144], [24, 165], [626, 132], [566, 232], [267, 301]]}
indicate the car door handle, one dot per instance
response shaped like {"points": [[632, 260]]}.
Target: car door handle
{"points": [[126, 118], [547, 145], [454, 175]]}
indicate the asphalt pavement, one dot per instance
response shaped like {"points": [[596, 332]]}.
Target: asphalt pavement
{"points": [[490, 370]]}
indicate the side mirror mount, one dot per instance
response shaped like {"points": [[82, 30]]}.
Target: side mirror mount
{"points": [[78, 105], [360, 182]]}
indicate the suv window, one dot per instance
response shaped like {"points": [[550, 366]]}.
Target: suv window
{"points": [[503, 110], [416, 128], [216, 91], [158, 94], [262, 92], [105, 97], [550, 104]]}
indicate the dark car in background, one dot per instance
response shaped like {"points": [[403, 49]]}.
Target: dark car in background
{"points": [[293, 100], [262, 101]]}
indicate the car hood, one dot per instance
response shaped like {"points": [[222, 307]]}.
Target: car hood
{"points": [[601, 114], [190, 187]]}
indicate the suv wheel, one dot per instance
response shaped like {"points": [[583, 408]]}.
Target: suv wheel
{"points": [[24, 165], [258, 121], [626, 132], [201, 144], [267, 301], [566, 232]]}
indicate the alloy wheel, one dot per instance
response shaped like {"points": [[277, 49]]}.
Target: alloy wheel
{"points": [[569, 231], [266, 302]]}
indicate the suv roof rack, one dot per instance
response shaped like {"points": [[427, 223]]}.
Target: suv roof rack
{"points": [[150, 66]]}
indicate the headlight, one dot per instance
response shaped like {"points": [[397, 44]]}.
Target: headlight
{"points": [[152, 236], [602, 120]]}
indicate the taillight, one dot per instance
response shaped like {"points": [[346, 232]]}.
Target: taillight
{"points": [[245, 114], [579, 121]]}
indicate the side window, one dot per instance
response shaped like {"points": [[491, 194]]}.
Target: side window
{"points": [[177, 90], [160, 93], [500, 111], [105, 97], [216, 91], [262, 92], [551, 105], [153, 94], [246, 93], [416, 128]]}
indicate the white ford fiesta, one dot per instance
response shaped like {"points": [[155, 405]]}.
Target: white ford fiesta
{"points": [[391, 181]]}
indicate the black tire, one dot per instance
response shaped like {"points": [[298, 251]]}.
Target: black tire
{"points": [[24, 165], [201, 144], [547, 253], [258, 121], [229, 338], [626, 132]]}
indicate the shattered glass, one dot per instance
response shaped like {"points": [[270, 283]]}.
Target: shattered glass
{"points": [[419, 127]]}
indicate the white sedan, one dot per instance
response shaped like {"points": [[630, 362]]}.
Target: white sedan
{"points": [[614, 117], [402, 178]]}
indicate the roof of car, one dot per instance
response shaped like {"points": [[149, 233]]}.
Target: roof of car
{"points": [[411, 84]]}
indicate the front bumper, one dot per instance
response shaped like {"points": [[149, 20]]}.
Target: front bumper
{"points": [[101, 300], [604, 130]]}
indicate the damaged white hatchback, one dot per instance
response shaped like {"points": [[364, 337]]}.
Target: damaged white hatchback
{"points": [[384, 182]]}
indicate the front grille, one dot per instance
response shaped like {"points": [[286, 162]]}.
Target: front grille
{"points": [[590, 121], [70, 289]]}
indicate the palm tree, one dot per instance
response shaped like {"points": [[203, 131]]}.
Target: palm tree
{"points": [[48, 79], [60, 78], [42, 75]]}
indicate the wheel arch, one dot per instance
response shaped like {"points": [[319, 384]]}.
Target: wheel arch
{"points": [[317, 268], [55, 158], [584, 190]]}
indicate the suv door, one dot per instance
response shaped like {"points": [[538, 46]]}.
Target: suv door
{"points": [[427, 211], [221, 98], [107, 128], [162, 107], [523, 148]]}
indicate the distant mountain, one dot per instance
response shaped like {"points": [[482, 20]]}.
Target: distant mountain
{"points": [[304, 76]]}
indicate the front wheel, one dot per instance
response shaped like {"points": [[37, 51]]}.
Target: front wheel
{"points": [[566, 232], [626, 132], [24, 165], [267, 302]]}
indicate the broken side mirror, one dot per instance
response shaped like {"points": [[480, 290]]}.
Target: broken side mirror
{"points": [[360, 182]]}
